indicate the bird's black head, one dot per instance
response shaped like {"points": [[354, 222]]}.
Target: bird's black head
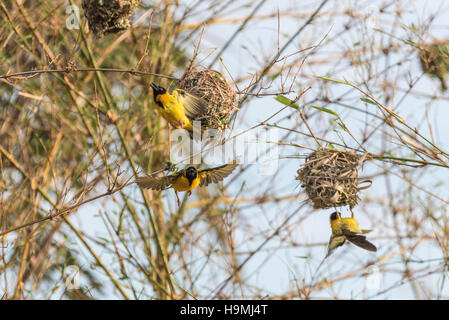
{"points": [[191, 174], [335, 215], [157, 90]]}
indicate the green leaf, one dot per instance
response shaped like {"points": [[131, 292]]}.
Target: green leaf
{"points": [[412, 43], [325, 110], [330, 79], [216, 75], [274, 76], [284, 100], [341, 124], [368, 101], [302, 257], [104, 239], [25, 38]]}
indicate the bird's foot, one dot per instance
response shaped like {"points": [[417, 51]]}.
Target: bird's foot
{"points": [[177, 198]]}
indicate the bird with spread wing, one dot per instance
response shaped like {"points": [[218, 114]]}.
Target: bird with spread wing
{"points": [[187, 179], [347, 229]]}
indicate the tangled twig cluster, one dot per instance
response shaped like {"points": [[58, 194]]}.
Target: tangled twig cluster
{"points": [[215, 89], [330, 178], [106, 17], [434, 59]]}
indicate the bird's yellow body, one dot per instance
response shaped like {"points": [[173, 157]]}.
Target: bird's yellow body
{"points": [[183, 184], [351, 225], [346, 225], [178, 107], [173, 111], [336, 225]]}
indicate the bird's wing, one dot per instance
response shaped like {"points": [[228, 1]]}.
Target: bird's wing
{"points": [[349, 233], [156, 183], [335, 242], [214, 175], [361, 242], [194, 107], [350, 226]]}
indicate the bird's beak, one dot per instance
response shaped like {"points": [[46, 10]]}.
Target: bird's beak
{"points": [[154, 86]]}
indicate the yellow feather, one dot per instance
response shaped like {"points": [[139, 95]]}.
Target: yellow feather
{"points": [[179, 107], [347, 229], [183, 184], [350, 225], [173, 111]]}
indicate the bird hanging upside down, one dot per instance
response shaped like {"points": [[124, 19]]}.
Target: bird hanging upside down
{"points": [[179, 108], [347, 229]]}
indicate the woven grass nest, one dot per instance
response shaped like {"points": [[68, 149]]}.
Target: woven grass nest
{"points": [[434, 59], [216, 90], [108, 16], [330, 178]]}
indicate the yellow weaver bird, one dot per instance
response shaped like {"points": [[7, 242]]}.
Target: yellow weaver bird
{"points": [[187, 179], [347, 229], [179, 107]]}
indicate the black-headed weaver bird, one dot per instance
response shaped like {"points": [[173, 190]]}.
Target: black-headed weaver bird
{"points": [[187, 179], [347, 229], [179, 108]]}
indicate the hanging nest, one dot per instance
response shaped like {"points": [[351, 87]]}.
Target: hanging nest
{"points": [[330, 178], [216, 90], [434, 59], [108, 16]]}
